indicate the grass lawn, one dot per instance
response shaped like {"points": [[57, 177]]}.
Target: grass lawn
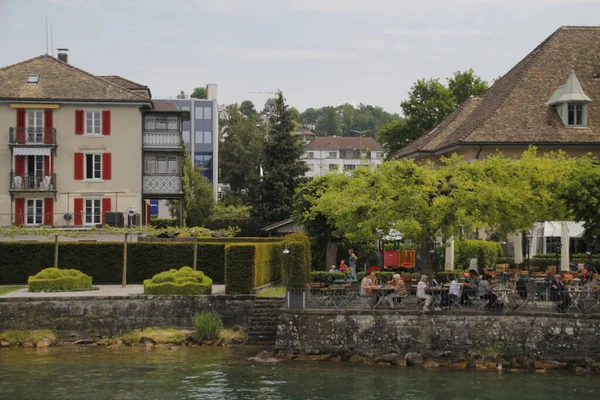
{"points": [[273, 291], [8, 289]]}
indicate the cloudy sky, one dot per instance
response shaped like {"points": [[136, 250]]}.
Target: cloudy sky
{"points": [[318, 52]]}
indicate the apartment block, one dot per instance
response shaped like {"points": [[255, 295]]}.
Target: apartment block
{"points": [[79, 149]]}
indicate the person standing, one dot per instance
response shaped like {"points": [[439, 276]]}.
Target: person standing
{"points": [[352, 262]]}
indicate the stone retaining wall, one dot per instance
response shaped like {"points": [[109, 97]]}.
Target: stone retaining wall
{"points": [[102, 316], [373, 333]]}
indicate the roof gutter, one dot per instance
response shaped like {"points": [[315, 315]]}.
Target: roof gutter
{"points": [[74, 101]]}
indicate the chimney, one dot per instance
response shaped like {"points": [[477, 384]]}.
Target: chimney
{"points": [[63, 55], [211, 91]]}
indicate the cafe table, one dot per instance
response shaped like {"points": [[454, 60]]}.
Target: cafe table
{"points": [[380, 294], [575, 293]]}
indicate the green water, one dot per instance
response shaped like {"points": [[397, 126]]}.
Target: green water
{"points": [[192, 373]]}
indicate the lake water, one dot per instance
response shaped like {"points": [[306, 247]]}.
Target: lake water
{"points": [[194, 373]]}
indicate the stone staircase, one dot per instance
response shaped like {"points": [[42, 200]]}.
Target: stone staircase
{"points": [[262, 330]]}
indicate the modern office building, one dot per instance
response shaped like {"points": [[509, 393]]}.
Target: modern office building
{"points": [[201, 132], [325, 154]]}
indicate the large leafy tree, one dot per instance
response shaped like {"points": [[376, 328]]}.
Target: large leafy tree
{"points": [[283, 171], [394, 136], [465, 84], [247, 108], [241, 150], [328, 123], [199, 93]]}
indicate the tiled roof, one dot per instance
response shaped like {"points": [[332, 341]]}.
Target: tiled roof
{"points": [[165, 106], [59, 81], [515, 110], [120, 81], [343, 143]]}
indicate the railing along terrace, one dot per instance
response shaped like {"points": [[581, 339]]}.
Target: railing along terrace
{"points": [[162, 139], [27, 182], [32, 136]]}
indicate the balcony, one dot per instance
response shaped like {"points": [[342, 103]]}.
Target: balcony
{"points": [[32, 136], [32, 183], [163, 140], [169, 185]]}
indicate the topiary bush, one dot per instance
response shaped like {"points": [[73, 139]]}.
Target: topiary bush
{"points": [[184, 281], [239, 268], [326, 277], [59, 280], [208, 325]]}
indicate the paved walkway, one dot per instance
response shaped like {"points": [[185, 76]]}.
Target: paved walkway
{"points": [[103, 291]]}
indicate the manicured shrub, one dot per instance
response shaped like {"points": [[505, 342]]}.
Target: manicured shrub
{"points": [[296, 263], [59, 280], [239, 268], [325, 277], [162, 223], [184, 281], [208, 325], [487, 253]]}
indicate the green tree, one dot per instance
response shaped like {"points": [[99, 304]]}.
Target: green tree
{"points": [[282, 169], [428, 104], [465, 84], [247, 108], [295, 115], [328, 123], [199, 93], [394, 136], [310, 116], [241, 151]]}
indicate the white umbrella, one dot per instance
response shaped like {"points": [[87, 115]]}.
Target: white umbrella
{"points": [[449, 259], [518, 247], [564, 249]]}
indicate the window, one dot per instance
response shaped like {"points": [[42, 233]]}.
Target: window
{"points": [[348, 154], [34, 212], [311, 154], [377, 154], [93, 212], [150, 168], [93, 166], [332, 154], [207, 113], [33, 78], [333, 167], [349, 167], [202, 160], [199, 113], [203, 137], [575, 116], [186, 136], [364, 154], [172, 165], [207, 137], [93, 123], [161, 165]]}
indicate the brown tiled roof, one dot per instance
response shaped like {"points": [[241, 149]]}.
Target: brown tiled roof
{"points": [[120, 81], [165, 106], [343, 143], [515, 111], [59, 81]]}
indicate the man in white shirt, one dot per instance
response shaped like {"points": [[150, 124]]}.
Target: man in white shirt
{"points": [[454, 291], [422, 286]]}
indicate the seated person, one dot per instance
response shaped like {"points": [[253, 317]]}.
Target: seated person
{"points": [[399, 292], [591, 291], [333, 268], [422, 288], [484, 292], [469, 290], [366, 287], [558, 295], [520, 293], [345, 269], [454, 291]]}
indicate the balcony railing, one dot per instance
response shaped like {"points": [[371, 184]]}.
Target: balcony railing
{"points": [[163, 139], [24, 182], [32, 136], [162, 184]]}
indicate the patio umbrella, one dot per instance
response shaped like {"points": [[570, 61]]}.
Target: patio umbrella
{"points": [[449, 258], [518, 247], [564, 249]]}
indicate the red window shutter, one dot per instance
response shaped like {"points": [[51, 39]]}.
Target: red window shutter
{"points": [[48, 125], [19, 211], [21, 115], [106, 166], [46, 165], [49, 211], [79, 122], [105, 208], [20, 165], [106, 122], [78, 211], [79, 161]]}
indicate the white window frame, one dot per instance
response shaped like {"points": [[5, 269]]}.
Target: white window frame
{"points": [[332, 154], [207, 115], [35, 214], [94, 125], [334, 167], [94, 162], [93, 216], [310, 154], [349, 167], [583, 114]]}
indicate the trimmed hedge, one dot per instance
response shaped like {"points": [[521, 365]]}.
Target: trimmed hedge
{"points": [[267, 263], [326, 277], [487, 253], [186, 281], [239, 268], [162, 223], [296, 263], [59, 280], [104, 260]]}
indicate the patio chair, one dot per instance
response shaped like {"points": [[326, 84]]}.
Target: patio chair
{"points": [[17, 182], [46, 183]]}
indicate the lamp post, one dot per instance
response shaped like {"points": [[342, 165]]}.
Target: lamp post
{"points": [[527, 252], [130, 215]]}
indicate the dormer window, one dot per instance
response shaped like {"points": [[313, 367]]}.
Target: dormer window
{"points": [[33, 78], [571, 103]]}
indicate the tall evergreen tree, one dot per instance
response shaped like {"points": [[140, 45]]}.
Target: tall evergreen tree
{"points": [[283, 171]]}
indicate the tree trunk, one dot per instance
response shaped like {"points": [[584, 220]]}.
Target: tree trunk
{"points": [[124, 281], [427, 255], [331, 255], [55, 251], [195, 253]]}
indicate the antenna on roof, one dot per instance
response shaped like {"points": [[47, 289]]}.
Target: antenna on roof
{"points": [[46, 33], [52, 39]]}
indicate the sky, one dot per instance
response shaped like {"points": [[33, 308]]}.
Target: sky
{"points": [[318, 52]]}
